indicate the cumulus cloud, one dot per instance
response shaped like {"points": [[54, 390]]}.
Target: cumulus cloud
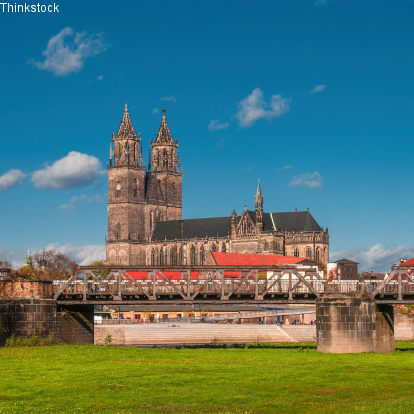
{"points": [[73, 170], [310, 180], [83, 254], [67, 51], [11, 178], [378, 257], [155, 111], [169, 98], [215, 125], [253, 107], [76, 201], [318, 89]]}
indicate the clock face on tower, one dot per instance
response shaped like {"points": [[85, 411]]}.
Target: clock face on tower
{"points": [[118, 187]]}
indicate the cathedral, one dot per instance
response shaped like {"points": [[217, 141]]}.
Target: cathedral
{"points": [[145, 225]]}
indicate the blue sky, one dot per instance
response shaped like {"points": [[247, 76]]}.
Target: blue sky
{"points": [[313, 98]]}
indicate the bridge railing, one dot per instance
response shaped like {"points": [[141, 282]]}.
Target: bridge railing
{"points": [[218, 283]]}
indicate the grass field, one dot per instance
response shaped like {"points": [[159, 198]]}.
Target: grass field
{"points": [[279, 379]]}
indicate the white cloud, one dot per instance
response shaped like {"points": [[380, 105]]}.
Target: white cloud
{"points": [[253, 107], [155, 111], [84, 254], [75, 201], [286, 167], [73, 170], [169, 98], [310, 180], [318, 89], [67, 51], [100, 77], [11, 178], [215, 125], [378, 257]]}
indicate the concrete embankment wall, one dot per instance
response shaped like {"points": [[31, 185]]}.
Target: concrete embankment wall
{"points": [[403, 327], [202, 333], [206, 333]]}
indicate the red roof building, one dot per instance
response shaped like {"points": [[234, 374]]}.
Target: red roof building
{"points": [[243, 259]]}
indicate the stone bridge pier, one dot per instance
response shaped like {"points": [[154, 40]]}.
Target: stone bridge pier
{"points": [[27, 308], [353, 323]]}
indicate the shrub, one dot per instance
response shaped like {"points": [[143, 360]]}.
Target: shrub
{"points": [[31, 341], [108, 340]]}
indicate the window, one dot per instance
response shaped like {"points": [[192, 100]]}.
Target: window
{"points": [[173, 256], [181, 256], [317, 254], [118, 230], [193, 257], [296, 252], [201, 255], [309, 252], [213, 247], [135, 192], [223, 247], [153, 257], [163, 256]]}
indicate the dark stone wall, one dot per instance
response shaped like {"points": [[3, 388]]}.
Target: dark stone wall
{"points": [[75, 323], [384, 329], [353, 323], [27, 317]]}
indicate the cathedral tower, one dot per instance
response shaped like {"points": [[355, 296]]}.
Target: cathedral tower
{"points": [[126, 185], [164, 179]]}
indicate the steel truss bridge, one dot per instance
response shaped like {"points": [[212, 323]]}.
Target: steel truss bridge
{"points": [[220, 284]]}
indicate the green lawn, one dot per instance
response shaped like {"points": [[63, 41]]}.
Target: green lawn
{"points": [[280, 379]]}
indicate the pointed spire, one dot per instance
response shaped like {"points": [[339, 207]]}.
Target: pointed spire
{"points": [[126, 130], [258, 201], [259, 190], [164, 134]]}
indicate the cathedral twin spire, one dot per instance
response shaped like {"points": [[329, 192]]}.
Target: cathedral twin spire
{"points": [[126, 130], [126, 147]]}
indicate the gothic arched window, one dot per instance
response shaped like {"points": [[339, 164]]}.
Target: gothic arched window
{"points": [[318, 254], [213, 247], [118, 230], [202, 255], [296, 252], [309, 252], [181, 255], [163, 256], [173, 256], [153, 257], [193, 257], [223, 247]]}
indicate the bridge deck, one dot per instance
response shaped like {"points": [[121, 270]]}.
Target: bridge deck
{"points": [[213, 285]]}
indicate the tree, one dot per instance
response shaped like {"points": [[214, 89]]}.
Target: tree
{"points": [[104, 273], [25, 272], [53, 265]]}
